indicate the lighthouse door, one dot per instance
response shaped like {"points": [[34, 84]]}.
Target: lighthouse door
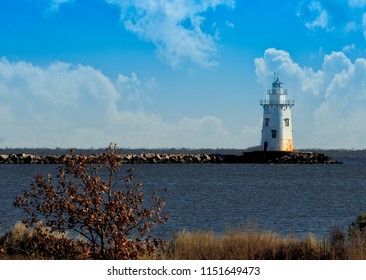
{"points": [[265, 146]]}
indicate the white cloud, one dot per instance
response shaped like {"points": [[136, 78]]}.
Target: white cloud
{"points": [[54, 5], [280, 61], [229, 24], [342, 113], [61, 97], [175, 27], [320, 17], [130, 86], [350, 27], [349, 48], [66, 105], [330, 111], [331, 15], [357, 3]]}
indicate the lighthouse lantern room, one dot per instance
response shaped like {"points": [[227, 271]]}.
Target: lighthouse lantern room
{"points": [[277, 122]]}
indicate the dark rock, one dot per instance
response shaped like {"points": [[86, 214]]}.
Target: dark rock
{"points": [[152, 158]]}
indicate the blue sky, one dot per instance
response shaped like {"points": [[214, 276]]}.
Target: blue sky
{"points": [[161, 74]]}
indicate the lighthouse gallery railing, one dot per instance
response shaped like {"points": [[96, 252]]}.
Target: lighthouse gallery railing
{"points": [[283, 102]]}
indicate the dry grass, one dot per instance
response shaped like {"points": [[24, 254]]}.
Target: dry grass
{"points": [[22, 243], [13, 244], [232, 245], [255, 245], [236, 245]]}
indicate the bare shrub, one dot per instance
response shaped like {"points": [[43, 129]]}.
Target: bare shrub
{"points": [[358, 225], [110, 215]]}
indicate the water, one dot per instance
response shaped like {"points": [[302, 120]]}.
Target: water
{"points": [[288, 199]]}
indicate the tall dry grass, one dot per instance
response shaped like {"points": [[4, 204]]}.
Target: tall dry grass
{"points": [[248, 245], [256, 245]]}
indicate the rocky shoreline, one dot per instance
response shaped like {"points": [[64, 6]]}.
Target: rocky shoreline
{"points": [[159, 158]]}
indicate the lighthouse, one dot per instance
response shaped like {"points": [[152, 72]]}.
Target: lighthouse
{"points": [[277, 121]]}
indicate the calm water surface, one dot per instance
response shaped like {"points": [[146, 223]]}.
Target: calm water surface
{"points": [[289, 199]]}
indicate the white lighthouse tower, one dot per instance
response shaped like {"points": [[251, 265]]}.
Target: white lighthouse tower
{"points": [[277, 122]]}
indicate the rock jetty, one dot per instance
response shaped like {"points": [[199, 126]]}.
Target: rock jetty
{"points": [[158, 158]]}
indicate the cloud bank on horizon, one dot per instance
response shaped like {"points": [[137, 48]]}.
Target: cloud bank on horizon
{"points": [[73, 104], [84, 105]]}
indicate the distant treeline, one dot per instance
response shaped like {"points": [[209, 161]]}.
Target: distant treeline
{"points": [[224, 151], [62, 151]]}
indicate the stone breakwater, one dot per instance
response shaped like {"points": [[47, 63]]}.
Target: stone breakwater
{"points": [[157, 158]]}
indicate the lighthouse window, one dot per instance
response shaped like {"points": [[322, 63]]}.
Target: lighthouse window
{"points": [[266, 122], [287, 122], [274, 133]]}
